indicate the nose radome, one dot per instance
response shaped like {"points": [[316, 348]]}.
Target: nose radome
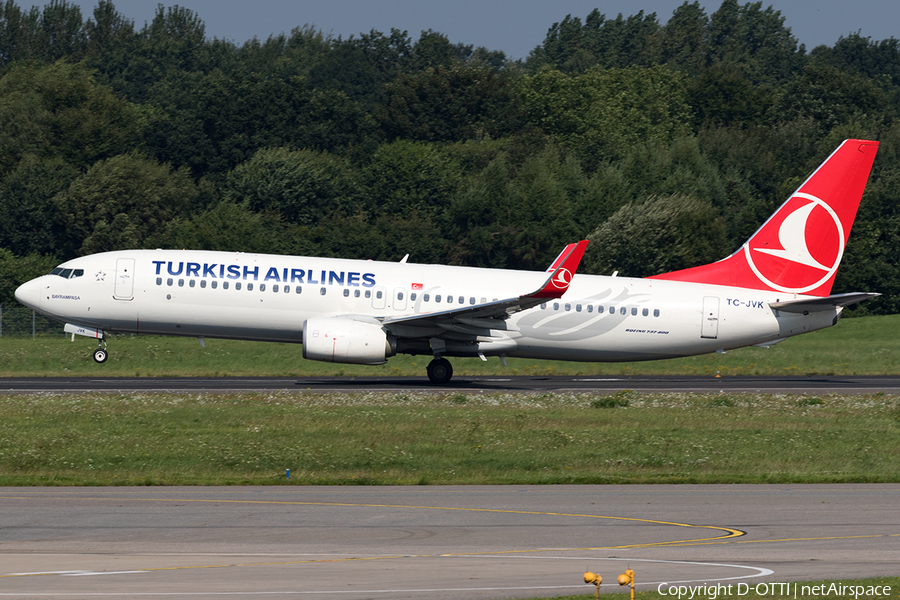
{"points": [[29, 293]]}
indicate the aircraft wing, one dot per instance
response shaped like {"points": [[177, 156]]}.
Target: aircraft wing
{"points": [[478, 319]]}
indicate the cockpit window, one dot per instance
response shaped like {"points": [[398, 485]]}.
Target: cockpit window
{"points": [[67, 273]]}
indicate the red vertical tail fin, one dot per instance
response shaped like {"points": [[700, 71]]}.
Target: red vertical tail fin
{"points": [[799, 248]]}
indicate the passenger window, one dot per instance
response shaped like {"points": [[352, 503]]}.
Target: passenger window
{"points": [[556, 306], [399, 295], [378, 294], [590, 308], [275, 287], [645, 312], [623, 310], [544, 306], [237, 285], [437, 298], [599, 309], [322, 291], [249, 287], [262, 287], [568, 307], [577, 308], [202, 283], [159, 281], [346, 293], [655, 312], [224, 285], [214, 284], [356, 293], [483, 300], [413, 296], [634, 311], [612, 310], [449, 299], [472, 300], [368, 293], [298, 289], [181, 283], [426, 297], [169, 282], [192, 282], [461, 300]]}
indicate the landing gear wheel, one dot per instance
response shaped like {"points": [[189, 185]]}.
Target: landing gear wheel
{"points": [[440, 371], [100, 355]]}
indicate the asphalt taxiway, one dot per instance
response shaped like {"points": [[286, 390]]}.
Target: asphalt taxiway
{"points": [[858, 384], [461, 543]]}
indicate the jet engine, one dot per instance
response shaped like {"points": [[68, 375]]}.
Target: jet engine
{"points": [[347, 340]]}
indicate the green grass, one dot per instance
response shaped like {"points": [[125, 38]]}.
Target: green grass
{"points": [[867, 345], [750, 593], [207, 439]]}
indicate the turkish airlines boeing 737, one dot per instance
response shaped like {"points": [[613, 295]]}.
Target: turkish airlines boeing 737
{"points": [[778, 284]]}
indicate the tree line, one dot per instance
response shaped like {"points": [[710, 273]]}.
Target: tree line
{"points": [[666, 142]]}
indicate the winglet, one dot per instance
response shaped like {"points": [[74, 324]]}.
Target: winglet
{"points": [[564, 268], [559, 259]]}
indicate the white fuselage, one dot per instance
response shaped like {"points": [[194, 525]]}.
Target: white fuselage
{"points": [[268, 298]]}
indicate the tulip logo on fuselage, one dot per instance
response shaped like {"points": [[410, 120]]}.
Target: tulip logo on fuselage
{"points": [[803, 262]]}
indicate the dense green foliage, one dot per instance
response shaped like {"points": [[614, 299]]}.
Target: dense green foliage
{"points": [[632, 128]]}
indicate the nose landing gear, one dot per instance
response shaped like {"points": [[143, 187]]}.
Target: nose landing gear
{"points": [[440, 371], [101, 354]]}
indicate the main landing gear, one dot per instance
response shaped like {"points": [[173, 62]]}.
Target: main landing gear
{"points": [[440, 371]]}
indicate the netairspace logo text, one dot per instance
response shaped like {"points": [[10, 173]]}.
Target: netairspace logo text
{"points": [[794, 590]]}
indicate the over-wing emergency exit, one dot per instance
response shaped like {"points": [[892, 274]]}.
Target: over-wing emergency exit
{"points": [[778, 284]]}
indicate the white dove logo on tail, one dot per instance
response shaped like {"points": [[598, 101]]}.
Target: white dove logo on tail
{"points": [[794, 248], [792, 235], [562, 279]]}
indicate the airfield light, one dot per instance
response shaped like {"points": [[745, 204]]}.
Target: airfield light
{"points": [[593, 579], [626, 578]]}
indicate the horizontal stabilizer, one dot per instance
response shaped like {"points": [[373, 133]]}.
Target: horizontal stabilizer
{"points": [[818, 304]]}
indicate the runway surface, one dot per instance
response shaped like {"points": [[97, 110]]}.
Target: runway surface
{"points": [[888, 384], [461, 543]]}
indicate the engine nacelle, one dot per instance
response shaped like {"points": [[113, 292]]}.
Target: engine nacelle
{"points": [[347, 340]]}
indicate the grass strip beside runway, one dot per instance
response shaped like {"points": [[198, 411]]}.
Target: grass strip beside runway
{"points": [[403, 439], [859, 346]]}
